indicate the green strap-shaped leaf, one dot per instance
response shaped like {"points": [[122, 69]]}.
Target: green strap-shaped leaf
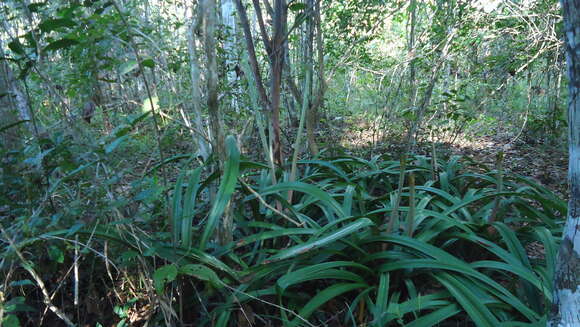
{"points": [[474, 307], [311, 190], [176, 213], [319, 271], [514, 245], [435, 317], [323, 297], [225, 191], [322, 241], [382, 302], [274, 234], [189, 208], [444, 260]]}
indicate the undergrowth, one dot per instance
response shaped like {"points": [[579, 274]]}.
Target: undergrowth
{"points": [[86, 241]]}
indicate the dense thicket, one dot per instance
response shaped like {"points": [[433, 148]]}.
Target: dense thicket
{"points": [[283, 163]]}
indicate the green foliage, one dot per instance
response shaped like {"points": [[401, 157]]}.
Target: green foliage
{"points": [[453, 246], [455, 263], [143, 228]]}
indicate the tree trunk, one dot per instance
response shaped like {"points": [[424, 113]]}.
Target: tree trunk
{"points": [[312, 115], [275, 50], [225, 233], [215, 116], [229, 23], [412, 54], [9, 138], [14, 107], [199, 135], [277, 65], [566, 303]]}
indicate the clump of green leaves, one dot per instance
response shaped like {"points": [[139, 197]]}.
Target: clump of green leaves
{"points": [[457, 250]]}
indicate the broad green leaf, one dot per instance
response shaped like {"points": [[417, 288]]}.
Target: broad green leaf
{"points": [[16, 47], [164, 275], [55, 254], [10, 321], [347, 203], [60, 44], [201, 272], [55, 23], [128, 67], [326, 164], [274, 234], [550, 251], [19, 283], [382, 302], [148, 63], [12, 304], [444, 260], [297, 6], [514, 246]]}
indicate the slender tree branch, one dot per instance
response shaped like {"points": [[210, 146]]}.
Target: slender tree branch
{"points": [[252, 59], [262, 26]]}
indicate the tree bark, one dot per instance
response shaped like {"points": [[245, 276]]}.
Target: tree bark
{"points": [[312, 114], [566, 304], [252, 59], [275, 50], [10, 137], [14, 107], [277, 65], [225, 232], [229, 23], [215, 116], [199, 137]]}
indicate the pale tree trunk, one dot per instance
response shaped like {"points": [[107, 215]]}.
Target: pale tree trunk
{"points": [[229, 23], [14, 107], [213, 107], [199, 135], [225, 234], [9, 138], [566, 303], [411, 53]]}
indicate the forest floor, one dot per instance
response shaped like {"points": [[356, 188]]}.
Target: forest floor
{"points": [[546, 163]]}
